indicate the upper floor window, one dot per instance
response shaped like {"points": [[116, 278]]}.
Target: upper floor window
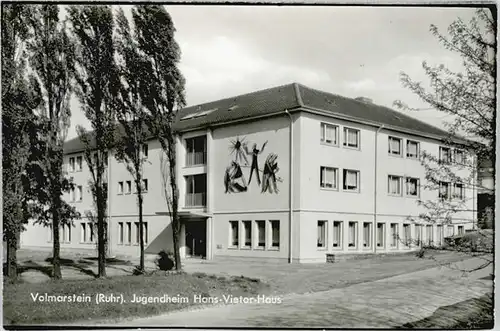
{"points": [[144, 185], [78, 163], [328, 177], [412, 149], [444, 190], [459, 157], [71, 164], [458, 191], [196, 150], [145, 151], [129, 187], [412, 186], [329, 134], [394, 187], [444, 154], [395, 146], [351, 180], [351, 137]]}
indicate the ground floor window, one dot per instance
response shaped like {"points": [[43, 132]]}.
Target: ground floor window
{"points": [[367, 233], [120, 233], [440, 235], [321, 234], [261, 234], [138, 232], [460, 229], [65, 233], [87, 234], [380, 234], [407, 234], [450, 232], [352, 238], [129, 233], [418, 234], [429, 234], [233, 233], [394, 234], [247, 234], [337, 234], [275, 234]]}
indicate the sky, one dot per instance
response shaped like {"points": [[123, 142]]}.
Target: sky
{"points": [[350, 51]]}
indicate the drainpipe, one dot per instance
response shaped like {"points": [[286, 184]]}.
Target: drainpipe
{"points": [[375, 194], [290, 197]]}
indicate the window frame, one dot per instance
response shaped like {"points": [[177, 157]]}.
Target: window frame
{"points": [[72, 164], [418, 149], [461, 197], [271, 245], [340, 241], [145, 185], [120, 188], [367, 242], [79, 165], [345, 144], [407, 178], [449, 157], [79, 190], [458, 151], [356, 235], [407, 239], [448, 191], [381, 238], [323, 127], [260, 225], [128, 184], [358, 180], [324, 234], [322, 178], [145, 150], [390, 152], [394, 236], [400, 185], [244, 235], [231, 234]]}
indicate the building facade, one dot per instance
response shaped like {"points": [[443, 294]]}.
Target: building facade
{"points": [[288, 173]]}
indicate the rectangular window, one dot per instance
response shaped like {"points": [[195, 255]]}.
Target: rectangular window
{"points": [[145, 151], [261, 233], [418, 234], [137, 233], [337, 234], [80, 193], [394, 235], [120, 187], [444, 154], [129, 187], [71, 164], [351, 180], [412, 149], [120, 232], [329, 134], [129, 233], [444, 190], [450, 232], [407, 234], [394, 185], [91, 233], [458, 156], [247, 231], [351, 137], [395, 146], [380, 234], [275, 234], [412, 186], [145, 185], [328, 177], [321, 234], [78, 163], [233, 228], [429, 235], [145, 233], [83, 232], [458, 191], [68, 238], [352, 237], [460, 230], [72, 194], [367, 234], [440, 234]]}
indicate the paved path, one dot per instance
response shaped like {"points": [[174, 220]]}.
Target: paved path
{"points": [[383, 303]]}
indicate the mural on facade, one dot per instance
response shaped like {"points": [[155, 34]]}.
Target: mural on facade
{"points": [[234, 178]]}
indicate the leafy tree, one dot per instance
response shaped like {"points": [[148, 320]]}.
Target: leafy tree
{"points": [[164, 92], [132, 115], [97, 86], [20, 97], [51, 55], [469, 97]]}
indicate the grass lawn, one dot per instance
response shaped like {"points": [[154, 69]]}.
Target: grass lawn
{"points": [[19, 307]]}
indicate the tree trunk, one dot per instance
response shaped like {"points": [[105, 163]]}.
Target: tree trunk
{"points": [[101, 244], [12, 255], [56, 263], [175, 201], [141, 230]]}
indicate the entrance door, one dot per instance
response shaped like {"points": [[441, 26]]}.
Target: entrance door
{"points": [[196, 238]]}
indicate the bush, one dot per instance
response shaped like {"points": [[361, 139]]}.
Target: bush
{"points": [[165, 261], [420, 254]]}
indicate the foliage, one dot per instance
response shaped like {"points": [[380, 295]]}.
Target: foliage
{"points": [[51, 56], [21, 95], [164, 261], [97, 84], [469, 97], [163, 93]]}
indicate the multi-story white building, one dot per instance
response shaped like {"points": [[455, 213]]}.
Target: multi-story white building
{"points": [[288, 173]]}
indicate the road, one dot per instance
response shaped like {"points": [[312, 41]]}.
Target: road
{"points": [[383, 303]]}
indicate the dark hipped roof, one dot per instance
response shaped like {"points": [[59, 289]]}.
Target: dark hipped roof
{"points": [[293, 97]]}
